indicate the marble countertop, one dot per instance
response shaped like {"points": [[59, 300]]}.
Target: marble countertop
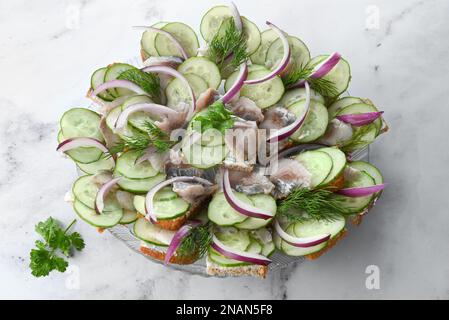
{"points": [[398, 53]]}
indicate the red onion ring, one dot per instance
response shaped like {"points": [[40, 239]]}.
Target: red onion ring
{"points": [[361, 191], [240, 206], [360, 119], [235, 89], [326, 66], [73, 143], [168, 35], [236, 16], [284, 61], [287, 131], [231, 253], [103, 192], [149, 208], [126, 84], [172, 72], [153, 108], [305, 242], [183, 232]]}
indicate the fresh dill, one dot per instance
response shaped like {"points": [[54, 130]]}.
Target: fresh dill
{"points": [[149, 82], [229, 43], [197, 242], [304, 204], [216, 117]]}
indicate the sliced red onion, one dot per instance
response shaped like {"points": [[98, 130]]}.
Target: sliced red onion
{"points": [[361, 191], [284, 61], [360, 119], [149, 208], [287, 131], [125, 84], [168, 35], [73, 143], [183, 232], [236, 16], [232, 253], [172, 72], [153, 108], [103, 192], [240, 206], [235, 89], [305, 242], [326, 66]]}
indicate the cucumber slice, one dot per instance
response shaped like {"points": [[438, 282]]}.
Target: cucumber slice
{"points": [[369, 169], [148, 37], [340, 104], [129, 216], [176, 91], [264, 94], [264, 237], [81, 122], [318, 163], [204, 68], [250, 31], [300, 54], [138, 119], [358, 204], [185, 36], [221, 260], [294, 95], [315, 124], [112, 73], [234, 238], [96, 79], [310, 228], [340, 75], [106, 219], [266, 39], [260, 201], [112, 116], [366, 138], [139, 185], [105, 163], [85, 190], [148, 232], [166, 209], [204, 157], [356, 108], [221, 213], [254, 247], [127, 167], [165, 194], [82, 155], [338, 163]]}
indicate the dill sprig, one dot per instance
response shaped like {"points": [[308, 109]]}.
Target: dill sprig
{"points": [[226, 43], [197, 242], [149, 82], [358, 140], [301, 73], [216, 117], [304, 204]]}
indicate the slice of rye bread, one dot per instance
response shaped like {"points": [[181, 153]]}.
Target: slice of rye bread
{"points": [[160, 255], [254, 270], [331, 243]]}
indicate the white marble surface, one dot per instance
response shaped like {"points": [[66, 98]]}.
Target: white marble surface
{"points": [[47, 56]]}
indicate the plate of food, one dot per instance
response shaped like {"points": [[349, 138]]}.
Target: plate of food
{"points": [[233, 156]]}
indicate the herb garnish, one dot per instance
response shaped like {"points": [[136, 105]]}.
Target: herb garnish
{"points": [[227, 43], [44, 258], [197, 242], [149, 82], [216, 117], [304, 204]]}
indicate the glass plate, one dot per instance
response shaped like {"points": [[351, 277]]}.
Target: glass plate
{"points": [[279, 260]]}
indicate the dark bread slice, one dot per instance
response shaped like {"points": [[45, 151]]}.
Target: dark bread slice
{"points": [[254, 270]]}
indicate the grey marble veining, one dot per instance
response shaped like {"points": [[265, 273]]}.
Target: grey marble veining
{"points": [[48, 50]]}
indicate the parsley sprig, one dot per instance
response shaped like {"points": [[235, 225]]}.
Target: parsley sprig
{"points": [[44, 258], [304, 204], [149, 82], [216, 117], [197, 242]]}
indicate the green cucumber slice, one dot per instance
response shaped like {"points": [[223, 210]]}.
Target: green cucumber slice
{"points": [[148, 232], [365, 139], [82, 155], [211, 21], [127, 167], [340, 104], [294, 95], [97, 79], [233, 238], [220, 212], [300, 54], [129, 216], [139, 185], [138, 119], [105, 163], [148, 37], [176, 91], [106, 219], [264, 237], [112, 73], [340, 75], [315, 124], [185, 36], [166, 209], [250, 31], [204, 68], [266, 39], [204, 157], [81, 122], [338, 163], [259, 201], [165, 194], [221, 260], [318, 163], [85, 190], [369, 169], [356, 108], [254, 247]]}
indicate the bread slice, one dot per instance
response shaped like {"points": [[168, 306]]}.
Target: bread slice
{"points": [[331, 243], [254, 270], [159, 254]]}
